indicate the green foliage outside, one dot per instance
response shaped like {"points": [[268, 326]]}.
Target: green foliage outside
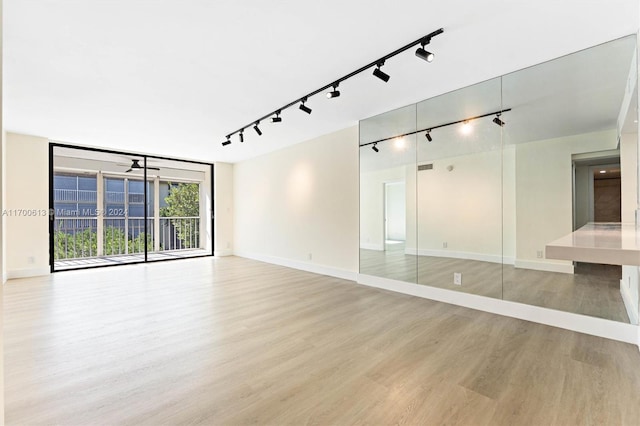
{"points": [[184, 201], [85, 243]]}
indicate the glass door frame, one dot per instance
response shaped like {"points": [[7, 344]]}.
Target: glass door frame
{"points": [[145, 157]]}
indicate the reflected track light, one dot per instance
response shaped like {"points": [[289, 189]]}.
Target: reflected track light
{"points": [[375, 148], [381, 74], [428, 135], [305, 108], [227, 142], [277, 118], [257, 129], [498, 121], [241, 136], [334, 93]]}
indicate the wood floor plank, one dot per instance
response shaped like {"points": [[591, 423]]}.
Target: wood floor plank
{"points": [[218, 341]]}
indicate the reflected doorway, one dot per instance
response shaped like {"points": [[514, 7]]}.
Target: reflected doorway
{"points": [[395, 215]]}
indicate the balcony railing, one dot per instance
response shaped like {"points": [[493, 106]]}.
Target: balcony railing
{"points": [[73, 195], [77, 237]]}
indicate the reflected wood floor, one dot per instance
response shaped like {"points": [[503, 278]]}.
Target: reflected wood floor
{"points": [[233, 341], [593, 290]]}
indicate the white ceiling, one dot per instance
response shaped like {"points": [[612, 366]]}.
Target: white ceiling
{"points": [[172, 77]]}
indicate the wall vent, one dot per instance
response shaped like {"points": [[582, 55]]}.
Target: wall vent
{"points": [[422, 167]]}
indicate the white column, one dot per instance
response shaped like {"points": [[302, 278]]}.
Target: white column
{"points": [[100, 209], [156, 214]]}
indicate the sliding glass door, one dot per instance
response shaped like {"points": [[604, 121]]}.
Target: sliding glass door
{"points": [[112, 208]]}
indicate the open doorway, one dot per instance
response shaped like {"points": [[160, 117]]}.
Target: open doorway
{"points": [[597, 189], [395, 216]]}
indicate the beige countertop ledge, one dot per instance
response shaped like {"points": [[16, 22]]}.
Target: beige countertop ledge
{"points": [[606, 242]]}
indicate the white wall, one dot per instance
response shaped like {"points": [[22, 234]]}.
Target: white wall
{"points": [[462, 207], [299, 206], [27, 189], [223, 209], [372, 206], [2, 246], [544, 194]]}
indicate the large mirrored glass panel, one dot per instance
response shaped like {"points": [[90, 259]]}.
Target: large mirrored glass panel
{"points": [[572, 172], [459, 200], [387, 195], [524, 187]]}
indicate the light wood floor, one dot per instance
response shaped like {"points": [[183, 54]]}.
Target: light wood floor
{"points": [[234, 341], [593, 290]]}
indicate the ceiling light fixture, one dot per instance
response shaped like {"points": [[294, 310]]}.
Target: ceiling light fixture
{"points": [[335, 83], [498, 121], [241, 136], [227, 142], [375, 148], [603, 171], [303, 107], [381, 74], [257, 129], [335, 92], [466, 126], [422, 53]]}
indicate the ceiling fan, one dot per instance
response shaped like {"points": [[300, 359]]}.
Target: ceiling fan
{"points": [[135, 165]]}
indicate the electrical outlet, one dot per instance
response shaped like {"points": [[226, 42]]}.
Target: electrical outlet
{"points": [[457, 278], [31, 260], [445, 244], [310, 256], [228, 244], [540, 254]]}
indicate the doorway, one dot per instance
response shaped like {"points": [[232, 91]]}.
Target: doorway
{"points": [[112, 208], [395, 215], [597, 189]]}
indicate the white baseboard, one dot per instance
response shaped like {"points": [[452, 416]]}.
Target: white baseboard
{"points": [[541, 265], [27, 273], [630, 306], [222, 253], [482, 257], [581, 323], [370, 246], [303, 266]]}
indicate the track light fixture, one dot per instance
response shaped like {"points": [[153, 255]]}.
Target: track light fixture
{"points": [[381, 74], [333, 86], [227, 142], [422, 53], [277, 118], [303, 107], [498, 121], [241, 135], [335, 92], [257, 129], [427, 131]]}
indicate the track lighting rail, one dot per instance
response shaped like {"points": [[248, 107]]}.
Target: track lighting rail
{"points": [[429, 129], [422, 41]]}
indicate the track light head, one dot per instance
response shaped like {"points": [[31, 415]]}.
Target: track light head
{"points": [[277, 118], [334, 93], [428, 135], [498, 121], [227, 142], [303, 107], [375, 148], [381, 74], [424, 54], [241, 135], [257, 129]]}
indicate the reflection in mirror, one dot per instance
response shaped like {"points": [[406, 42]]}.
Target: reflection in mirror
{"points": [[387, 196], [459, 206], [570, 160]]}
